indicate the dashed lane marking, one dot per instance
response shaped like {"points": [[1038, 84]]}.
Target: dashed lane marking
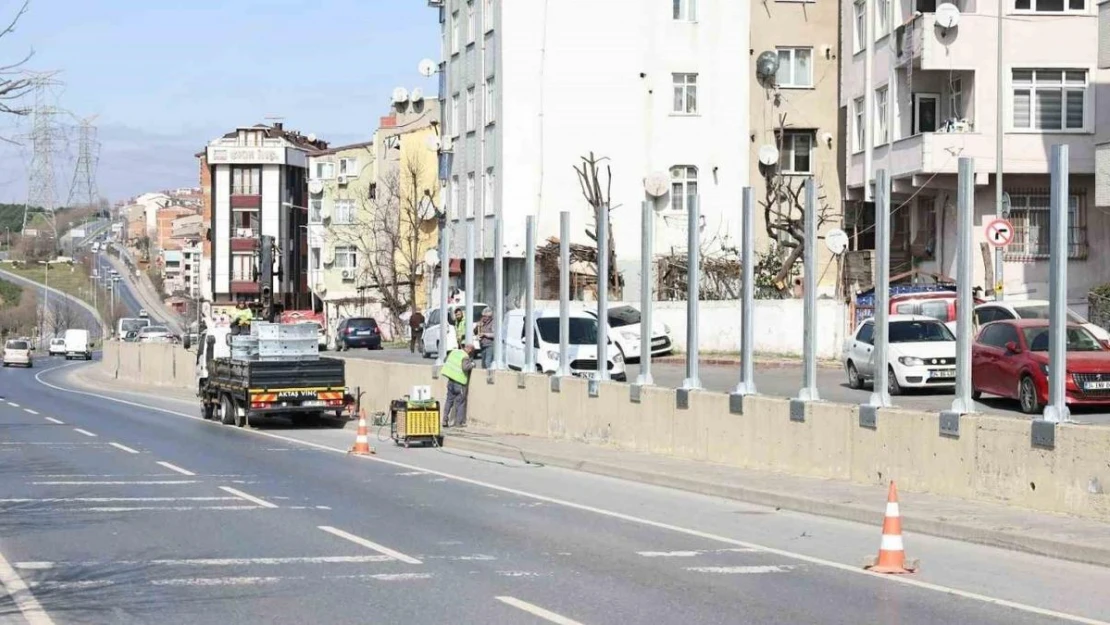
{"points": [[39, 566], [739, 570], [22, 596], [537, 611], [250, 498], [57, 421], [114, 482], [173, 467], [358, 540], [28, 410], [691, 554], [124, 448], [85, 432]]}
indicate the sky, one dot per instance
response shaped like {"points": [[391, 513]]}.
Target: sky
{"points": [[164, 77]]}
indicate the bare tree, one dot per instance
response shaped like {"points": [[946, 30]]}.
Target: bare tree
{"points": [[19, 320], [63, 315], [15, 81], [590, 179]]}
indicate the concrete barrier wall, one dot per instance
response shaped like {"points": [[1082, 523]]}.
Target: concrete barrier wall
{"points": [[992, 458]]}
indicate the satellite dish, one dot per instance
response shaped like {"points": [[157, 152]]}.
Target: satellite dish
{"points": [[311, 137], [947, 15], [417, 94], [837, 241], [768, 154], [432, 142], [431, 257], [315, 187], [427, 68], [767, 65], [656, 184], [425, 209], [400, 94]]}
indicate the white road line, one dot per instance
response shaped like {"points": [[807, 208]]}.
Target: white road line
{"points": [[118, 499], [22, 596], [250, 498], [536, 610], [28, 410], [13, 404], [846, 568], [124, 448], [38, 566], [258, 581], [116, 483], [173, 467], [396, 555], [690, 554], [85, 432], [53, 420], [740, 570], [151, 508]]}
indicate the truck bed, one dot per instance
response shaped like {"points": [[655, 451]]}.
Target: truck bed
{"points": [[282, 374]]}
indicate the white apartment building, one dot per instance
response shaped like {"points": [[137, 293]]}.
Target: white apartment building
{"points": [[528, 87], [919, 94]]}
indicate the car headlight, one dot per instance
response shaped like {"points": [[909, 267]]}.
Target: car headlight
{"points": [[911, 361], [1044, 368], [630, 336], [553, 356], [666, 328], [617, 358]]}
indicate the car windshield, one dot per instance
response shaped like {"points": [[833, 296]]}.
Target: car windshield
{"points": [[937, 309], [919, 332], [1040, 311], [155, 330], [18, 345], [583, 331], [132, 325], [57, 341], [623, 316], [1079, 340]]}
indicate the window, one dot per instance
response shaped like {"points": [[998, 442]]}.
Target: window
{"points": [[956, 97], [246, 180], [314, 258], [866, 333], [487, 192], [487, 101], [471, 111], [315, 210], [686, 10], [470, 25], [344, 212], [453, 118], [245, 222], [455, 213], [858, 115], [323, 170], [1029, 214], [1051, 6], [860, 34], [684, 187], [685, 93], [1049, 99], [487, 15], [348, 167], [882, 19], [455, 34], [470, 195], [882, 130], [797, 152], [346, 257], [795, 67], [242, 267]]}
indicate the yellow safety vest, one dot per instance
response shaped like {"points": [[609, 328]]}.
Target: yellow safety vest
{"points": [[453, 367], [460, 331]]}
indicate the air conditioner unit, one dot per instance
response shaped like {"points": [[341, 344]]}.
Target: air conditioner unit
{"points": [[342, 180], [348, 274]]}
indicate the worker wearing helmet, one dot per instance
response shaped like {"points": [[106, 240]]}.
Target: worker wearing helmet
{"points": [[243, 317], [457, 368]]}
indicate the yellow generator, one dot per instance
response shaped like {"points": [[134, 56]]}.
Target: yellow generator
{"points": [[415, 421]]}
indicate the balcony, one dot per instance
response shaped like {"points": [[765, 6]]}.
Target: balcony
{"points": [[243, 286], [246, 197], [926, 46]]}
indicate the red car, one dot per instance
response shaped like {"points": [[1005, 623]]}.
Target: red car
{"points": [[1010, 359]]}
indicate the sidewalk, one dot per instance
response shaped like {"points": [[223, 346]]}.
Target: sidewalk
{"points": [[765, 361]]}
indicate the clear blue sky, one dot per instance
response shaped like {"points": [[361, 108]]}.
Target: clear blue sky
{"points": [[166, 76]]}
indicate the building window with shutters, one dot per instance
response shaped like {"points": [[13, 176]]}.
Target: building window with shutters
{"points": [[1049, 100]]}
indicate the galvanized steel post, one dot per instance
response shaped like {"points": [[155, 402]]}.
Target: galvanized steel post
{"points": [[965, 254], [603, 293], [444, 276], [530, 294], [880, 349], [809, 390], [647, 228], [498, 296], [468, 314], [1057, 409], [747, 294], [693, 271], [564, 293]]}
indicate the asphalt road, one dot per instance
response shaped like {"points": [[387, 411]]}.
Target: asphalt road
{"points": [[125, 289], [124, 508]]}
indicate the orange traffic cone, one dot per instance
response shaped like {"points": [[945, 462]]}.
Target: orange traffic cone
{"points": [[892, 554], [362, 440]]}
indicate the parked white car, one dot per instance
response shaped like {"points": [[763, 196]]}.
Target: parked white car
{"points": [[57, 347], [582, 351], [625, 324], [429, 341], [921, 354], [1030, 309]]}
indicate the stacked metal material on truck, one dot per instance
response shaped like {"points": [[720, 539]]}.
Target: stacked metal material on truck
{"points": [[277, 341]]}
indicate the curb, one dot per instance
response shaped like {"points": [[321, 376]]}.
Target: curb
{"points": [[770, 363], [1011, 540]]}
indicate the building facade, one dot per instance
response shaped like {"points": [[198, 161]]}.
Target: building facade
{"points": [[920, 93], [529, 87]]}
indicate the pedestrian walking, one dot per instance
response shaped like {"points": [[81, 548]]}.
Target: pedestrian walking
{"points": [[416, 330], [460, 327], [457, 370], [484, 330]]}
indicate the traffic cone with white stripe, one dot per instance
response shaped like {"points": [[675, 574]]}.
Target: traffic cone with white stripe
{"points": [[362, 440], [892, 554]]}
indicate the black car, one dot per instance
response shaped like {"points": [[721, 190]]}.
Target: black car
{"points": [[358, 332]]}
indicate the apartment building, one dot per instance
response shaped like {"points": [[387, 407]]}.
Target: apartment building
{"points": [[797, 112], [259, 187], [166, 218], [920, 91], [529, 87]]}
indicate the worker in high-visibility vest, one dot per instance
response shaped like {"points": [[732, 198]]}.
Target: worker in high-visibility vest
{"points": [[457, 370], [460, 327], [242, 319]]}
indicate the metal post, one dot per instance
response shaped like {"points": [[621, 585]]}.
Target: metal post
{"points": [[603, 293], [693, 262], [880, 349], [965, 211], [809, 390], [444, 276], [468, 314], [999, 116], [498, 296], [564, 293], [747, 295], [1057, 409], [647, 227], [530, 294]]}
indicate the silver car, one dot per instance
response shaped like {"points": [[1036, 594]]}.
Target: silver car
{"points": [[154, 334]]}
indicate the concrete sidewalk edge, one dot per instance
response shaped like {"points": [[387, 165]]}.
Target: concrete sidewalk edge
{"points": [[1014, 541]]}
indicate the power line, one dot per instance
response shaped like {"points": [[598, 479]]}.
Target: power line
{"points": [[41, 188]]}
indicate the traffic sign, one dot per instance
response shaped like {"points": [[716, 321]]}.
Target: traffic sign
{"points": [[999, 233]]}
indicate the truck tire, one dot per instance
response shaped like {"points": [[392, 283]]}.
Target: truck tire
{"points": [[207, 411], [229, 412]]}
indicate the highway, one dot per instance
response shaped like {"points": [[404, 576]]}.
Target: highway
{"points": [[127, 508]]}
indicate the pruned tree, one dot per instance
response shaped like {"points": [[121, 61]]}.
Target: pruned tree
{"points": [[597, 193], [15, 81], [784, 214]]}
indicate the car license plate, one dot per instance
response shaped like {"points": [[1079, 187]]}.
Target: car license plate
{"points": [[362, 332], [314, 403], [1097, 386], [658, 342], [943, 373]]}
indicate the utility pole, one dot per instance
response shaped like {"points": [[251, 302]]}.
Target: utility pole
{"points": [[41, 191], [83, 190], [999, 113]]}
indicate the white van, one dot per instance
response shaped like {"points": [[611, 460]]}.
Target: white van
{"points": [[582, 349], [429, 341], [77, 344]]}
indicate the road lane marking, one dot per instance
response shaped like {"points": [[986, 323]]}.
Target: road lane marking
{"points": [[536, 610], [396, 555], [22, 596], [150, 509], [85, 432], [690, 554], [124, 448], [28, 410], [260, 580], [39, 566], [53, 420], [116, 483], [13, 404], [173, 467], [740, 570], [250, 498], [117, 499], [839, 566]]}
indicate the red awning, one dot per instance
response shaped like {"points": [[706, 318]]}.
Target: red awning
{"points": [[455, 266]]}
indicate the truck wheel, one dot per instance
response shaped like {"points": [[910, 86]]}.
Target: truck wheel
{"points": [[228, 411], [207, 411]]}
